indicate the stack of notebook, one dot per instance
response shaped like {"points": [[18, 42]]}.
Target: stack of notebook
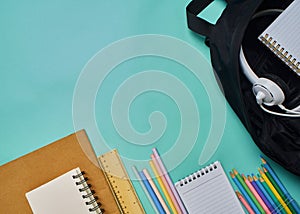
{"points": [[45, 176]]}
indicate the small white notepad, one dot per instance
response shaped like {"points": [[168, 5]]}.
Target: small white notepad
{"points": [[208, 191], [68, 193], [283, 35]]}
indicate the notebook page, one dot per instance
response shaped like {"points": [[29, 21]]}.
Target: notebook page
{"points": [[208, 191], [61, 195], [284, 33]]}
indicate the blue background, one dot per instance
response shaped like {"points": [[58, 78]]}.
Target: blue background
{"points": [[44, 45]]}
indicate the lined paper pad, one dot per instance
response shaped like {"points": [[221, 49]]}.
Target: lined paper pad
{"points": [[61, 195], [208, 191], [283, 35]]}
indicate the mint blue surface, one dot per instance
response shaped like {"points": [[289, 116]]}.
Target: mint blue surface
{"points": [[44, 45]]}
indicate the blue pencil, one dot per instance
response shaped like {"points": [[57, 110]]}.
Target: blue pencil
{"points": [[268, 197], [260, 193], [144, 188], [281, 186], [151, 193], [244, 193]]}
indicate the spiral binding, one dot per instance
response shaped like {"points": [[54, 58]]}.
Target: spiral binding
{"points": [[87, 193], [200, 173], [283, 54]]}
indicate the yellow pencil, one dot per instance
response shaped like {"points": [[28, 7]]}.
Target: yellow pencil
{"points": [[266, 179], [162, 187]]}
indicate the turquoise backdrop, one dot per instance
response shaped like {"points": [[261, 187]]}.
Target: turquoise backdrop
{"points": [[44, 46]]}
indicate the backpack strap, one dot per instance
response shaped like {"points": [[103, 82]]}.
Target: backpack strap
{"points": [[196, 23]]}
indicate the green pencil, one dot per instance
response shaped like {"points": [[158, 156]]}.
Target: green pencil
{"points": [[283, 196], [269, 191], [241, 180], [273, 182]]}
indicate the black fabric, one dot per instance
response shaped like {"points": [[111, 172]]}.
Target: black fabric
{"points": [[284, 87], [278, 137]]}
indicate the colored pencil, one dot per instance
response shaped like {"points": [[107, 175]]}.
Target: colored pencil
{"points": [[286, 208], [279, 207], [144, 188], [157, 193], [262, 196], [245, 203], [273, 182], [244, 193], [151, 193], [171, 185], [262, 208], [284, 198], [241, 180], [268, 198], [163, 188], [166, 185], [281, 186]]}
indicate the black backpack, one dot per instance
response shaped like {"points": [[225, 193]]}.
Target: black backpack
{"points": [[278, 137]]}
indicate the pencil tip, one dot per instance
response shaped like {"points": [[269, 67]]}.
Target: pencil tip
{"points": [[154, 150], [231, 174], [263, 160], [235, 171]]}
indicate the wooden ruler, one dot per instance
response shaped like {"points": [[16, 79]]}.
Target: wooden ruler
{"points": [[120, 183]]}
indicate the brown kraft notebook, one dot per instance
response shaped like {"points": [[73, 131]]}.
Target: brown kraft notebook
{"points": [[41, 166]]}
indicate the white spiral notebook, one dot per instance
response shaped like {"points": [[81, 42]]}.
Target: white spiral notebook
{"points": [[208, 191], [283, 35], [68, 193]]}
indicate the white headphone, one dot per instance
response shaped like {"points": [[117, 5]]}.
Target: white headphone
{"points": [[266, 91]]}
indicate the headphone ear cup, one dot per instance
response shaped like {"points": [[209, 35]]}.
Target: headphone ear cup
{"points": [[284, 87]]}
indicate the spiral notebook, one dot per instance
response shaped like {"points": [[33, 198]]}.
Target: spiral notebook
{"points": [[44, 165], [208, 191], [68, 193], [283, 35]]}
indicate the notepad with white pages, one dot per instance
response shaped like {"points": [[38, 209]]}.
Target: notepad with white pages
{"points": [[283, 35], [68, 193], [208, 191]]}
